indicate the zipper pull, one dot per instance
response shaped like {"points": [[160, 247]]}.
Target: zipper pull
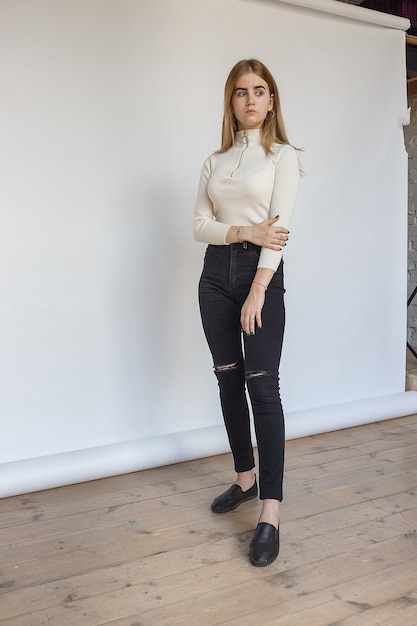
{"points": [[245, 142]]}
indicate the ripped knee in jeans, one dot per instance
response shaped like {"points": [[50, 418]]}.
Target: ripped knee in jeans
{"points": [[226, 368], [257, 374]]}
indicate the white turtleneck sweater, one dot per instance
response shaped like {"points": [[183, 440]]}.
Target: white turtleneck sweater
{"points": [[244, 186]]}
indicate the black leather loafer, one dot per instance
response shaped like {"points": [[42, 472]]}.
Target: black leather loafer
{"points": [[264, 547], [231, 498]]}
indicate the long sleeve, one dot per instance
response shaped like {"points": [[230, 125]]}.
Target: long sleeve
{"points": [[206, 228], [284, 194]]}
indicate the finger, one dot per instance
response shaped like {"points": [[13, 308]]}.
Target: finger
{"points": [[245, 324], [259, 320], [273, 246], [276, 243], [249, 326], [281, 238]]}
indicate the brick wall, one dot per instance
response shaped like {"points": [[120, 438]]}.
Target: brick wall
{"points": [[410, 133]]}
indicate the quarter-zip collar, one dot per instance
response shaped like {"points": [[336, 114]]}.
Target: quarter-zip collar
{"points": [[250, 137], [243, 140]]}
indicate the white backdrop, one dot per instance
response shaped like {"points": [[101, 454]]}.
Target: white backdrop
{"points": [[108, 109]]}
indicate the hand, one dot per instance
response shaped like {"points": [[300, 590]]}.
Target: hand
{"points": [[267, 234], [250, 315]]}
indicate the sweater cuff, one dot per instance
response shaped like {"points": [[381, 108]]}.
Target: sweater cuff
{"points": [[270, 259]]}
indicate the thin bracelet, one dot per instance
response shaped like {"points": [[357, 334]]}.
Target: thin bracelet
{"points": [[238, 233], [254, 282]]}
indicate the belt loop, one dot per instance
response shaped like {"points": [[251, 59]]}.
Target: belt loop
{"points": [[245, 245]]}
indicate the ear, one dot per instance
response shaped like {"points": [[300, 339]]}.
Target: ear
{"points": [[271, 102]]}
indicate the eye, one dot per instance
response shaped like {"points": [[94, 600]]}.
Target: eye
{"points": [[260, 92], [240, 93]]}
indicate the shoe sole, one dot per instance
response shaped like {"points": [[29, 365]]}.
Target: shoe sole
{"points": [[256, 564]]}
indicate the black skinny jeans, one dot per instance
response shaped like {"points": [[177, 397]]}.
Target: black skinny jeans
{"points": [[224, 285]]}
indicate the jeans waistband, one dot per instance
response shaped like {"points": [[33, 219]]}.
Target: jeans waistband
{"points": [[246, 245]]}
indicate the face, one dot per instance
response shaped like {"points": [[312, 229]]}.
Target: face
{"points": [[251, 101]]}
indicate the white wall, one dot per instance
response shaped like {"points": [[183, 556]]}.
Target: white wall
{"points": [[108, 108]]}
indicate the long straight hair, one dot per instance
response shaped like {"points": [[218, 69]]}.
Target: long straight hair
{"points": [[273, 130]]}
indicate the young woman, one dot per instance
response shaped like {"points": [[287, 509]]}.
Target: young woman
{"points": [[246, 195]]}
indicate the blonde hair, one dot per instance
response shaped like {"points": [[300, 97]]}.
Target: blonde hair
{"points": [[273, 130]]}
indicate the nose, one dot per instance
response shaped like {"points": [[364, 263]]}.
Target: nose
{"points": [[250, 98]]}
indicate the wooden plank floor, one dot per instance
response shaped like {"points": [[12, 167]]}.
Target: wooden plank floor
{"points": [[144, 549]]}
